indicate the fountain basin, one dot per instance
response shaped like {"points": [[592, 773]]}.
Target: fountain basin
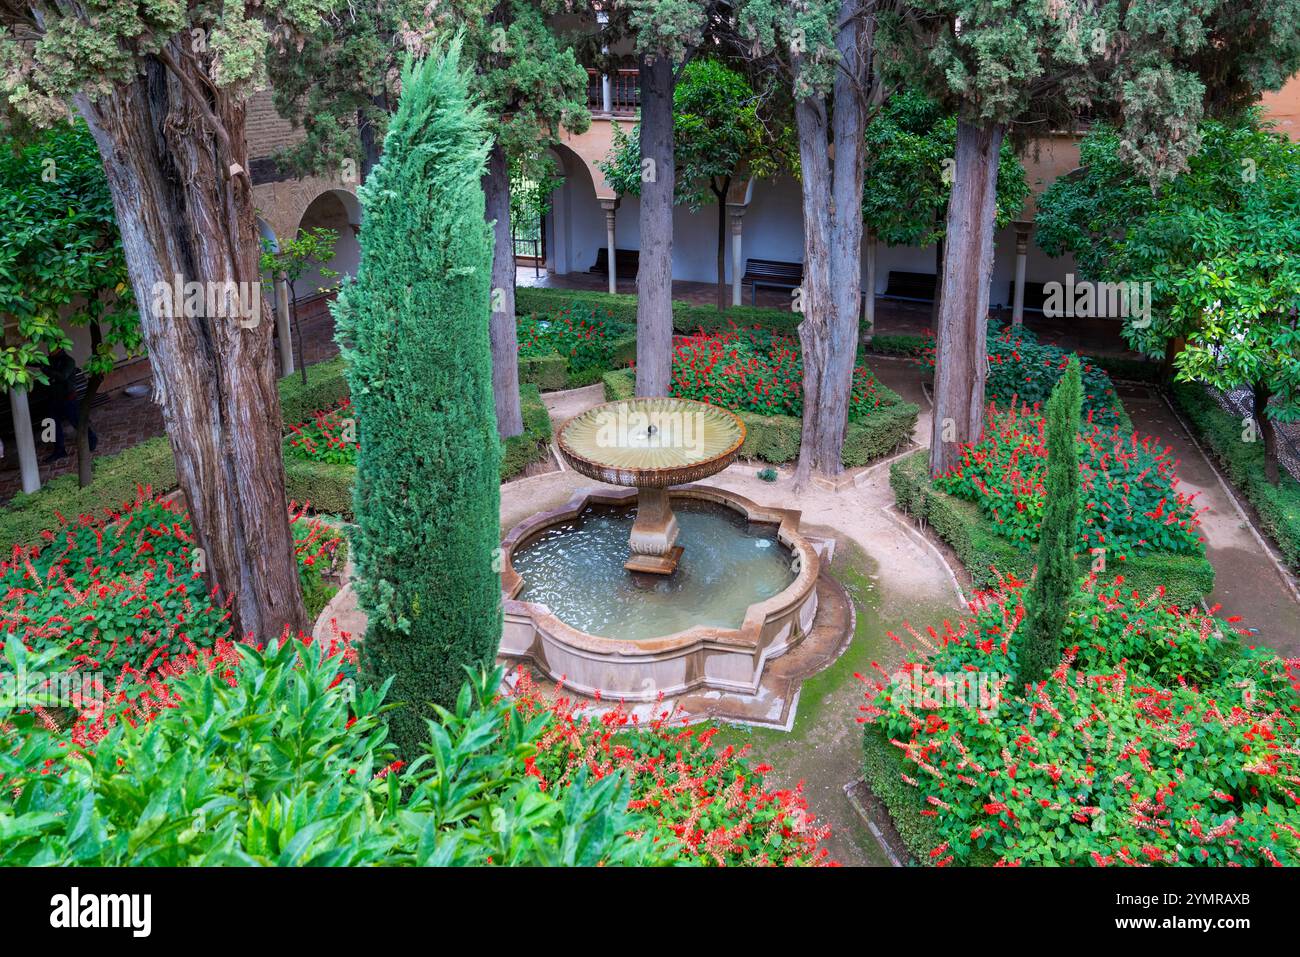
{"points": [[701, 656]]}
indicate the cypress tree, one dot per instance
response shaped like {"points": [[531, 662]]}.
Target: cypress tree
{"points": [[413, 327], [1053, 587]]}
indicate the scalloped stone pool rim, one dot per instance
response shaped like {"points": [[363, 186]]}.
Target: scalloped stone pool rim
{"points": [[699, 658]]}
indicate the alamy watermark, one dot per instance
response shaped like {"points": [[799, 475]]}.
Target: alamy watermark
{"points": [[213, 299], [1098, 300], [627, 428], [919, 689]]}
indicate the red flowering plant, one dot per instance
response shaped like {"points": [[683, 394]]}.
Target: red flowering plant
{"points": [[122, 593], [1129, 502], [1159, 739], [753, 369], [330, 436], [699, 803], [582, 334], [1022, 369]]}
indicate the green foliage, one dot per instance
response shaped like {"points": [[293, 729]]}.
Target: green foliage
{"points": [[1219, 246], [309, 250], [61, 257], [911, 144], [412, 327], [1049, 597], [986, 554], [719, 133], [1153, 66], [272, 769], [1278, 506]]}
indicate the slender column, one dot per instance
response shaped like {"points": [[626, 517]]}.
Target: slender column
{"points": [[282, 331], [869, 302], [1022, 257], [27, 465], [610, 205], [606, 87], [737, 259]]}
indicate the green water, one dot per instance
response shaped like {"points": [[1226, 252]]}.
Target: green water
{"points": [[576, 570]]}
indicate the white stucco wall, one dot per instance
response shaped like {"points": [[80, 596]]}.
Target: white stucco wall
{"points": [[773, 229]]}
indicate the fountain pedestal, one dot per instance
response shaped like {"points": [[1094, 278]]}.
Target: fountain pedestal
{"points": [[654, 534]]}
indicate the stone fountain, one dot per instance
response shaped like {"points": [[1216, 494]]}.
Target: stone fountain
{"points": [[650, 445]]}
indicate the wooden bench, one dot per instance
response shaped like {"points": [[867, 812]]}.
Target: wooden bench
{"points": [[910, 286], [770, 274], [628, 262]]}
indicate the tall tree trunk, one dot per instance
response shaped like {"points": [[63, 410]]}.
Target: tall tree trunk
{"points": [[371, 142], [832, 279], [721, 195], [85, 473], [1267, 432], [501, 324], [175, 156], [961, 353], [654, 278], [940, 214]]}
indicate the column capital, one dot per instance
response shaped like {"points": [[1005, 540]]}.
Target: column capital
{"points": [[609, 205]]}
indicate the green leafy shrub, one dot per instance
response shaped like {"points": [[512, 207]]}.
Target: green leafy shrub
{"points": [[413, 329], [273, 761]]}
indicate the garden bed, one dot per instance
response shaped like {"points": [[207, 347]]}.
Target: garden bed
{"points": [[775, 438], [321, 469], [1160, 739], [573, 346], [973, 537]]}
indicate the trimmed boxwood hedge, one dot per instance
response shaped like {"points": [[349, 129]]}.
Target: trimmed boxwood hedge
{"points": [[1278, 506], [1187, 578], [328, 487], [775, 438], [551, 372]]}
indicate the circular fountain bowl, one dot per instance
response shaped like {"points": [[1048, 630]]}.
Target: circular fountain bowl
{"points": [[745, 592], [651, 442]]}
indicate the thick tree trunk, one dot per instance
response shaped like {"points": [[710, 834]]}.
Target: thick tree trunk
{"points": [[501, 324], [721, 196], [961, 359], [654, 279], [1267, 432], [832, 280], [174, 153]]}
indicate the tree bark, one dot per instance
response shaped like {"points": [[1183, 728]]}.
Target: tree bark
{"points": [[654, 279], [832, 279], [1267, 432], [175, 156], [961, 353], [721, 196], [501, 324]]}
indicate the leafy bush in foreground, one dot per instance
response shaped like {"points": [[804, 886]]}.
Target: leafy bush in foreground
{"points": [[283, 767]]}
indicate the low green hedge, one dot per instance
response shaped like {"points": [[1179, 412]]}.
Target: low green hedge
{"points": [[551, 372], [687, 317], [775, 438], [1278, 506], [1187, 578], [116, 479], [327, 487]]}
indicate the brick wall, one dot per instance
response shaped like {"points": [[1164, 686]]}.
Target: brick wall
{"points": [[266, 130]]}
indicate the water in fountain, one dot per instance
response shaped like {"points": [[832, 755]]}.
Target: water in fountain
{"points": [[576, 569]]}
